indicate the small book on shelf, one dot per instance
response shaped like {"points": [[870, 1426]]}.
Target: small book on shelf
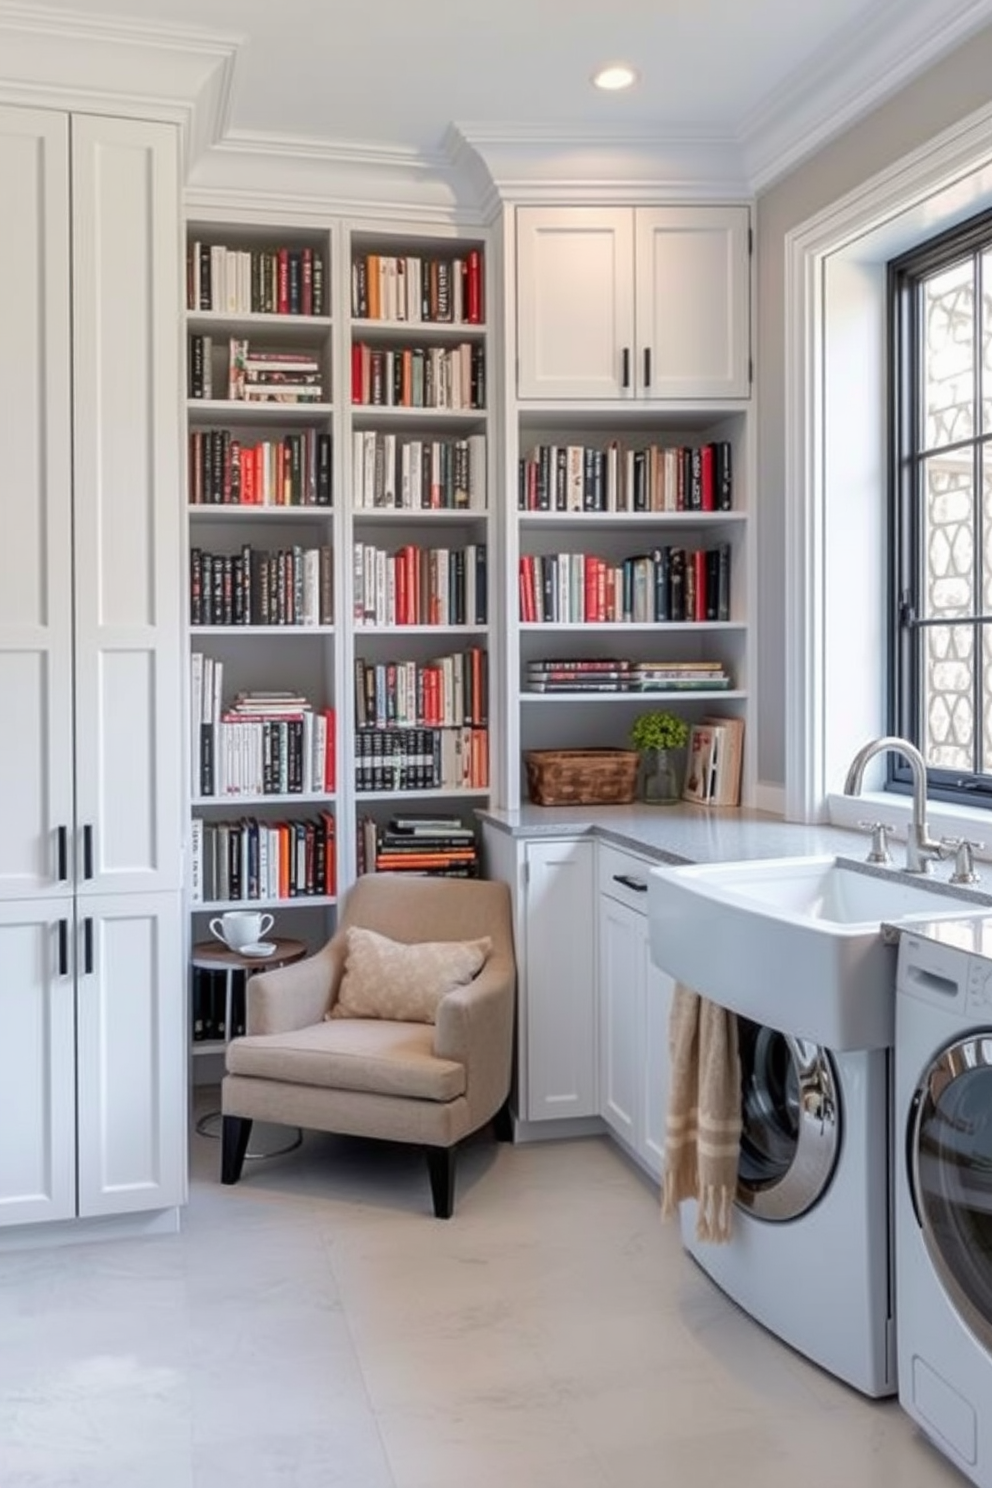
{"points": [[715, 757]]}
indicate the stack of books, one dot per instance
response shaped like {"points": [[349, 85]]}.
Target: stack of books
{"points": [[438, 846], [264, 376], [618, 674]]}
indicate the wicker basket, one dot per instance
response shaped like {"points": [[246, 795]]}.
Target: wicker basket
{"points": [[581, 777]]}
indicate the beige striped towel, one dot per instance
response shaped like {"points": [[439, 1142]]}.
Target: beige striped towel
{"points": [[703, 1128]]}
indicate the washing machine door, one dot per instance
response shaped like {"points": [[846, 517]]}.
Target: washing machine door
{"points": [[790, 1137], [949, 1144]]}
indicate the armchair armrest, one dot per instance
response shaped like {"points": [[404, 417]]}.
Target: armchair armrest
{"points": [[295, 996], [474, 1026]]}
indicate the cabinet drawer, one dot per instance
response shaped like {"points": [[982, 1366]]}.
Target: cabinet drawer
{"points": [[623, 876]]}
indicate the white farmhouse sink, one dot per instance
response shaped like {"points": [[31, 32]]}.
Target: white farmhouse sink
{"points": [[794, 943]]}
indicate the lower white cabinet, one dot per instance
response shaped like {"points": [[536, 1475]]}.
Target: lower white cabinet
{"points": [[634, 1001], [92, 1061], [559, 983]]}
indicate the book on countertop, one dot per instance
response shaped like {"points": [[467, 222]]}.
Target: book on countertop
{"points": [[700, 764]]}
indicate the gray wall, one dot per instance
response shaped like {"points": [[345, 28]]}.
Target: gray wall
{"points": [[948, 92]]}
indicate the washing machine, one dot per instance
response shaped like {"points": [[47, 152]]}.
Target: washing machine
{"points": [[943, 1185], [810, 1255]]}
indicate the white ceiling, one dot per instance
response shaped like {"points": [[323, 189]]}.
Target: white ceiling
{"points": [[397, 73], [441, 102]]}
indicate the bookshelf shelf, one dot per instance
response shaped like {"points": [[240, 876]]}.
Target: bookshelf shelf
{"points": [[237, 411], [220, 323], [235, 512], [413, 630], [441, 793], [615, 627], [261, 630], [422, 331], [642, 699], [226, 803], [299, 901], [400, 516], [367, 415], [638, 519]]}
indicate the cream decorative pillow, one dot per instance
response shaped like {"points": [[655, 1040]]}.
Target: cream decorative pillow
{"points": [[384, 978]]}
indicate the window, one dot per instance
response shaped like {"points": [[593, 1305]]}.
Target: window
{"points": [[941, 510]]}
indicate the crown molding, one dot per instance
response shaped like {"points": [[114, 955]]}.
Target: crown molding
{"points": [[526, 162], [868, 63], [92, 64]]}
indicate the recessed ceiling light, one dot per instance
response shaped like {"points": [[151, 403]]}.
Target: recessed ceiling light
{"points": [[617, 75]]}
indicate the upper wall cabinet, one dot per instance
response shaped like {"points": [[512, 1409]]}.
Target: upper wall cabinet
{"points": [[633, 302]]}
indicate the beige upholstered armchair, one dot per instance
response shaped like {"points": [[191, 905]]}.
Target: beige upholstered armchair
{"points": [[300, 1064]]}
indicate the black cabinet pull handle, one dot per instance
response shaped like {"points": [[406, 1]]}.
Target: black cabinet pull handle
{"points": [[63, 850], [629, 882], [88, 945], [87, 851], [647, 366], [625, 362], [63, 947]]}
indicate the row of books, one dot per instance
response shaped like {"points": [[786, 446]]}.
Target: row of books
{"points": [[255, 281], [248, 859], [577, 478], [617, 674], [422, 759], [418, 474], [435, 846], [419, 376], [292, 586], [669, 584], [714, 762], [293, 469], [451, 690], [420, 586], [212, 1018], [414, 288], [266, 376]]}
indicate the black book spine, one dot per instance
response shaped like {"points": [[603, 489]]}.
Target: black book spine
{"points": [[723, 582], [206, 296], [196, 356], [323, 470], [196, 586], [723, 476], [295, 282], [206, 759]]}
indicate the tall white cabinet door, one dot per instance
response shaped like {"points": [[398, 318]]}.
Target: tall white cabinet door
{"points": [[692, 294], [560, 981], [126, 365], [621, 995], [575, 302], [654, 1058], [35, 458], [37, 1062], [130, 1039]]}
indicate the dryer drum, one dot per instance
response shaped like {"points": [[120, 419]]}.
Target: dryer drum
{"points": [[949, 1152], [791, 1123]]}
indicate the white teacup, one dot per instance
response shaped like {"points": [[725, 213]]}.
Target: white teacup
{"points": [[241, 927]]}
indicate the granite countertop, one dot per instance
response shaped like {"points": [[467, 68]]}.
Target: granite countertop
{"points": [[682, 833]]}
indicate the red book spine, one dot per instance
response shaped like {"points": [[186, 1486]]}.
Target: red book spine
{"points": [[706, 474], [282, 301], [530, 571], [356, 372], [474, 307]]}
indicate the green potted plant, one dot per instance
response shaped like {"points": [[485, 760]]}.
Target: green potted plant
{"points": [[658, 738]]}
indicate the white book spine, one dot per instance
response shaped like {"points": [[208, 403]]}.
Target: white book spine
{"points": [[196, 860]]}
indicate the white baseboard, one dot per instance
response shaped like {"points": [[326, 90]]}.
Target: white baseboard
{"points": [[83, 1231]]}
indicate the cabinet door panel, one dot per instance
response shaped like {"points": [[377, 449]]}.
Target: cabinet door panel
{"points": [[560, 981], [692, 302], [126, 365], [575, 303], [130, 1049], [35, 457], [658, 987], [37, 1065], [621, 996]]}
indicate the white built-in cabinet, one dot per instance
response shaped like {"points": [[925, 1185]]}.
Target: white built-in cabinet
{"points": [[634, 998], [91, 775], [633, 302], [559, 999]]}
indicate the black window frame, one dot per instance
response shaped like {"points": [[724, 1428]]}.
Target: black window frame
{"points": [[907, 455]]}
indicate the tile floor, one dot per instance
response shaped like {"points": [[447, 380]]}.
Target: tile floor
{"points": [[316, 1328]]}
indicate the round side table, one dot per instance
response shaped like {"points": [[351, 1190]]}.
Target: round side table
{"points": [[213, 955]]}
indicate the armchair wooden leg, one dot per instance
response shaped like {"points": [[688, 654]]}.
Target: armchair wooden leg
{"points": [[234, 1145], [441, 1167], [503, 1123]]}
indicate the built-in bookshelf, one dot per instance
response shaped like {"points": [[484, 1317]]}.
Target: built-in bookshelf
{"points": [[264, 583], [628, 544], [421, 537]]}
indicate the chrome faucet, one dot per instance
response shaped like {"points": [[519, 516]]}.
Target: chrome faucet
{"points": [[921, 849]]}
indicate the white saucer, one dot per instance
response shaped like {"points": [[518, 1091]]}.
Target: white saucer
{"points": [[260, 948]]}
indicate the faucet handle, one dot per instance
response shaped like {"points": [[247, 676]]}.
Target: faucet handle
{"points": [[879, 852], [964, 863]]}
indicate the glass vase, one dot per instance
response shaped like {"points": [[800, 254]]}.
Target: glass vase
{"points": [[662, 777]]}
